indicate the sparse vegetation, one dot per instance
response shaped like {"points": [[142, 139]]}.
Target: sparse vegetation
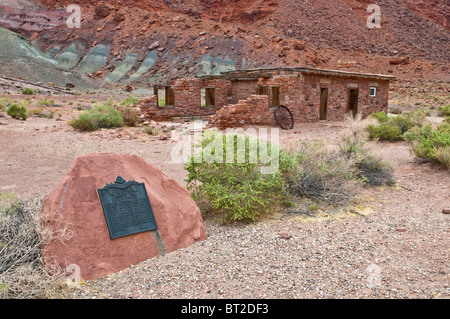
{"points": [[150, 130], [46, 102], [99, 116], [129, 101], [239, 192]]}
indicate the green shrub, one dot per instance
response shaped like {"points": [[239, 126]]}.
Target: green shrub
{"points": [[444, 111], [431, 144], [237, 191], [99, 116], [16, 111], [392, 128], [27, 91], [385, 131]]}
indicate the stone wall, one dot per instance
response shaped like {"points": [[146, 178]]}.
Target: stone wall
{"points": [[338, 90], [242, 90], [301, 94], [188, 100], [252, 111]]}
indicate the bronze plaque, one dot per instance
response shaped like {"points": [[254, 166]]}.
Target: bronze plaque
{"points": [[126, 208]]}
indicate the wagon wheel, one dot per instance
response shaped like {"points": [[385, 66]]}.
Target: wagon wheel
{"points": [[284, 117]]}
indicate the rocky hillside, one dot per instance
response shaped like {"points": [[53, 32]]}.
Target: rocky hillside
{"points": [[142, 42]]}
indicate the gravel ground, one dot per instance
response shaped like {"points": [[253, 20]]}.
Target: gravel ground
{"points": [[393, 244]]}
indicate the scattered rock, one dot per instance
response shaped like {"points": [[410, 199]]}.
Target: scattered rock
{"points": [[399, 61], [446, 211], [154, 45], [285, 235], [102, 10], [129, 88], [299, 45], [34, 36]]}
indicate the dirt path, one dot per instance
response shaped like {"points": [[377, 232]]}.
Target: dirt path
{"points": [[395, 247]]}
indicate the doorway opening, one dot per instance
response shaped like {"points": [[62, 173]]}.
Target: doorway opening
{"points": [[353, 101], [323, 104]]}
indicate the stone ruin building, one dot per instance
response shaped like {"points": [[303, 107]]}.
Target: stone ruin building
{"points": [[248, 97]]}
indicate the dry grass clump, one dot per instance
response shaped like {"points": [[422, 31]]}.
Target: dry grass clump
{"points": [[323, 175], [22, 274]]}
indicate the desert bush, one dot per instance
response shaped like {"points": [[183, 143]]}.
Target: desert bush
{"points": [[431, 144], [332, 176], [22, 274], [238, 190], [444, 111], [130, 116], [374, 171], [17, 111], [27, 91], [356, 149], [323, 175], [392, 128], [99, 116]]}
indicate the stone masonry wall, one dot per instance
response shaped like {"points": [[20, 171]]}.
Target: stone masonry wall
{"points": [[188, 99], [292, 96], [301, 94], [242, 90], [338, 95], [236, 103], [250, 112]]}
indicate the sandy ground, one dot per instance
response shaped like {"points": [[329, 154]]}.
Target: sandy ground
{"points": [[394, 244]]}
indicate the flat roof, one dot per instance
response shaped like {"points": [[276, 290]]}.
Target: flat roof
{"points": [[269, 72]]}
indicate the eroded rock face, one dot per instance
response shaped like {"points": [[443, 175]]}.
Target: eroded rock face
{"points": [[74, 206]]}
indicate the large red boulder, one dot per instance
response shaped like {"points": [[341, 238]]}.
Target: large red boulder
{"points": [[74, 209]]}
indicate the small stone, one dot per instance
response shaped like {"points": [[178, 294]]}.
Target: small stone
{"points": [[445, 211], [400, 229], [154, 45], [285, 235]]}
